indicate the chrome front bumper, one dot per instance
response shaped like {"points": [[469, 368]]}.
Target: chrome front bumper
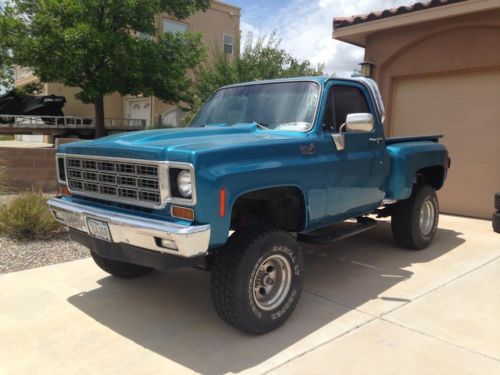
{"points": [[184, 241]]}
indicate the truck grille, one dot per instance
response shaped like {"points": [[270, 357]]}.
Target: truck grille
{"points": [[120, 181]]}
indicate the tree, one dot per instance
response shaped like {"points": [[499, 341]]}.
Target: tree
{"points": [[32, 88], [103, 46], [6, 77], [6, 72], [261, 58]]}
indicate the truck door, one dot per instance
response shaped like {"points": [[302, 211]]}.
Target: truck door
{"points": [[356, 174]]}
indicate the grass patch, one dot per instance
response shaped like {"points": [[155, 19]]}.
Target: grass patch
{"points": [[27, 217], [6, 137]]}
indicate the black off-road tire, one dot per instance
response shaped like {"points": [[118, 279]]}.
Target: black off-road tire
{"points": [[405, 223], [497, 201], [240, 264], [496, 221], [120, 269]]}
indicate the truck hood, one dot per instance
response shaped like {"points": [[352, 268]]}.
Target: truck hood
{"points": [[179, 144]]}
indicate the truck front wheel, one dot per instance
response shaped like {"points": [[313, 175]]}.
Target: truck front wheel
{"points": [[257, 279], [414, 220], [120, 269]]}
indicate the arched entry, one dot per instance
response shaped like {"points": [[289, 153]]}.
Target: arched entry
{"points": [[139, 109]]}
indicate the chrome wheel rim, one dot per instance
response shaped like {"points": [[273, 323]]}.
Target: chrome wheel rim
{"points": [[427, 217], [272, 282]]}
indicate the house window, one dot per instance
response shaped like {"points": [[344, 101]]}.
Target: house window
{"points": [[174, 26], [228, 43]]}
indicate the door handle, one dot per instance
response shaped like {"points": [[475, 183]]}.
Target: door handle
{"points": [[376, 140]]}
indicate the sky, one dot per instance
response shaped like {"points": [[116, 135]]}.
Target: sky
{"points": [[305, 27]]}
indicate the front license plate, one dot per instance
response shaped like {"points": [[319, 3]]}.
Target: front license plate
{"points": [[99, 229]]}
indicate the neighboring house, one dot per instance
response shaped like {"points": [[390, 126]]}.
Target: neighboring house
{"points": [[220, 26], [438, 65]]}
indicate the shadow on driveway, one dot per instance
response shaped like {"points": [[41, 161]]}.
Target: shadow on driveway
{"points": [[172, 315]]}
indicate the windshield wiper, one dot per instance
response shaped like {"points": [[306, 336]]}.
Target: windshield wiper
{"points": [[262, 126]]}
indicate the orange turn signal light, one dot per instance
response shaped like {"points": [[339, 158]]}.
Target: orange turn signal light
{"points": [[182, 213], [222, 202], [63, 190]]}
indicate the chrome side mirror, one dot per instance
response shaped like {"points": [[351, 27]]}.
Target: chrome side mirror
{"points": [[359, 123], [354, 123], [339, 140]]}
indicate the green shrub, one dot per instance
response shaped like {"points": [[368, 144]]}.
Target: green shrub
{"points": [[27, 217]]}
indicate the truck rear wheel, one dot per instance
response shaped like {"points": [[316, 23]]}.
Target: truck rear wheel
{"points": [[414, 220], [120, 269], [257, 279]]}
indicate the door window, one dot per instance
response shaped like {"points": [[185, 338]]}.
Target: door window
{"points": [[342, 101]]}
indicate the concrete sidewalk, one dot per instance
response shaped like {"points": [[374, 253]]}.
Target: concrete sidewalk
{"points": [[368, 307]]}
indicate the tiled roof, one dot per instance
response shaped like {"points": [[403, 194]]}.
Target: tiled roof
{"points": [[339, 22]]}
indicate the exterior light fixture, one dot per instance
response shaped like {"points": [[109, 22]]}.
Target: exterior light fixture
{"points": [[367, 69]]}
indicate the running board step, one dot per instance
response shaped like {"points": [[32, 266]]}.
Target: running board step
{"points": [[336, 232]]}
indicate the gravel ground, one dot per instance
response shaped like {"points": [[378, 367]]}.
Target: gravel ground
{"points": [[18, 256]]}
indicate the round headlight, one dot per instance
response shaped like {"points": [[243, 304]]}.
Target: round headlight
{"points": [[184, 184]]}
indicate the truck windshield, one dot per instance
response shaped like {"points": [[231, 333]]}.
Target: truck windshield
{"points": [[275, 106]]}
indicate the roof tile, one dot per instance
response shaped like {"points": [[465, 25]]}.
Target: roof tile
{"points": [[340, 22]]}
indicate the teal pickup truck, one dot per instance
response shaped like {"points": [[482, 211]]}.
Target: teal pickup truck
{"points": [[263, 167]]}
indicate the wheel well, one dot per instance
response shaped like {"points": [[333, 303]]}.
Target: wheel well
{"points": [[281, 208], [433, 176]]}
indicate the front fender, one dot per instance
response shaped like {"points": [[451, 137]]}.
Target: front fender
{"points": [[239, 177]]}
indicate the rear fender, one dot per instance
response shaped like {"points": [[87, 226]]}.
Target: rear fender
{"points": [[412, 161]]}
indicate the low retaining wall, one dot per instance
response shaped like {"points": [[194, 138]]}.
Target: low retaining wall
{"points": [[30, 169]]}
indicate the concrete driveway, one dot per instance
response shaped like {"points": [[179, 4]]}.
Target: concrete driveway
{"points": [[368, 307], [22, 144]]}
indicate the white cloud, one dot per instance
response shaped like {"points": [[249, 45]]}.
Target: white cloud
{"points": [[305, 27]]}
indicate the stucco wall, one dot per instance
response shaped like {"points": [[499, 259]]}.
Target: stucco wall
{"points": [[466, 43], [220, 19], [74, 107], [214, 23]]}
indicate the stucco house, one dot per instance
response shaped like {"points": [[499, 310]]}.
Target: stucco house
{"points": [[438, 65], [220, 26]]}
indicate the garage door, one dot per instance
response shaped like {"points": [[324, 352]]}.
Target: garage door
{"points": [[465, 108]]}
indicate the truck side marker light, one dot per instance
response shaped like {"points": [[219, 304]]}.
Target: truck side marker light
{"points": [[222, 202]]}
